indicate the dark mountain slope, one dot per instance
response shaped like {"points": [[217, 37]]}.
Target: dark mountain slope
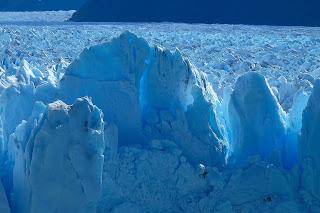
{"points": [[264, 12]]}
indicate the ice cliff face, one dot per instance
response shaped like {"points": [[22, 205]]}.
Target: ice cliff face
{"points": [[159, 93], [257, 121], [309, 146], [58, 159], [4, 206], [136, 128]]}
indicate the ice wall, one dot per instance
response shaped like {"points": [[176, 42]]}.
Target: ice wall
{"points": [[309, 147], [4, 206], [18, 101], [110, 73], [149, 93], [257, 121], [58, 159]]}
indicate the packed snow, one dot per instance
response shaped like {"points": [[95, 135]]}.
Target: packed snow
{"points": [[35, 17], [164, 118]]}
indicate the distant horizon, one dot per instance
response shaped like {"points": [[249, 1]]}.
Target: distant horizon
{"points": [[68, 13], [246, 12]]}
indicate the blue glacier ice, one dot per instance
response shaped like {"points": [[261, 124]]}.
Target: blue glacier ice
{"points": [[59, 155], [110, 74], [16, 105], [257, 121], [133, 127], [4, 205], [159, 93], [309, 149]]}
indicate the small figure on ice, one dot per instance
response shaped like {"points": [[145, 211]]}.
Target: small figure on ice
{"points": [[203, 172]]}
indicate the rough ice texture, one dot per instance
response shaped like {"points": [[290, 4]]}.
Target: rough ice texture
{"points": [[4, 205], [35, 17], [110, 73], [309, 149], [153, 137], [257, 121], [262, 188], [57, 167], [218, 50], [149, 93], [16, 105]]}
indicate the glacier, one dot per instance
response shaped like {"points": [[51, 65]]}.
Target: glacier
{"points": [[129, 126], [44, 149], [308, 154], [4, 205], [160, 94], [257, 121]]}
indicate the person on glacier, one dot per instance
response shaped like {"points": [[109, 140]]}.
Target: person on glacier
{"points": [[203, 172]]}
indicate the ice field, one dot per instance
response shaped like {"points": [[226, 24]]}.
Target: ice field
{"points": [[157, 117]]}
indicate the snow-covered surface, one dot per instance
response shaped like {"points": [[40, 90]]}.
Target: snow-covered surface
{"points": [[35, 17], [95, 115], [283, 54]]}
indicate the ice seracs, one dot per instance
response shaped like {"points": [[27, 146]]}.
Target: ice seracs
{"points": [[309, 146], [18, 101], [58, 167], [257, 121], [17, 184], [110, 73], [173, 92], [149, 93], [153, 136]]}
